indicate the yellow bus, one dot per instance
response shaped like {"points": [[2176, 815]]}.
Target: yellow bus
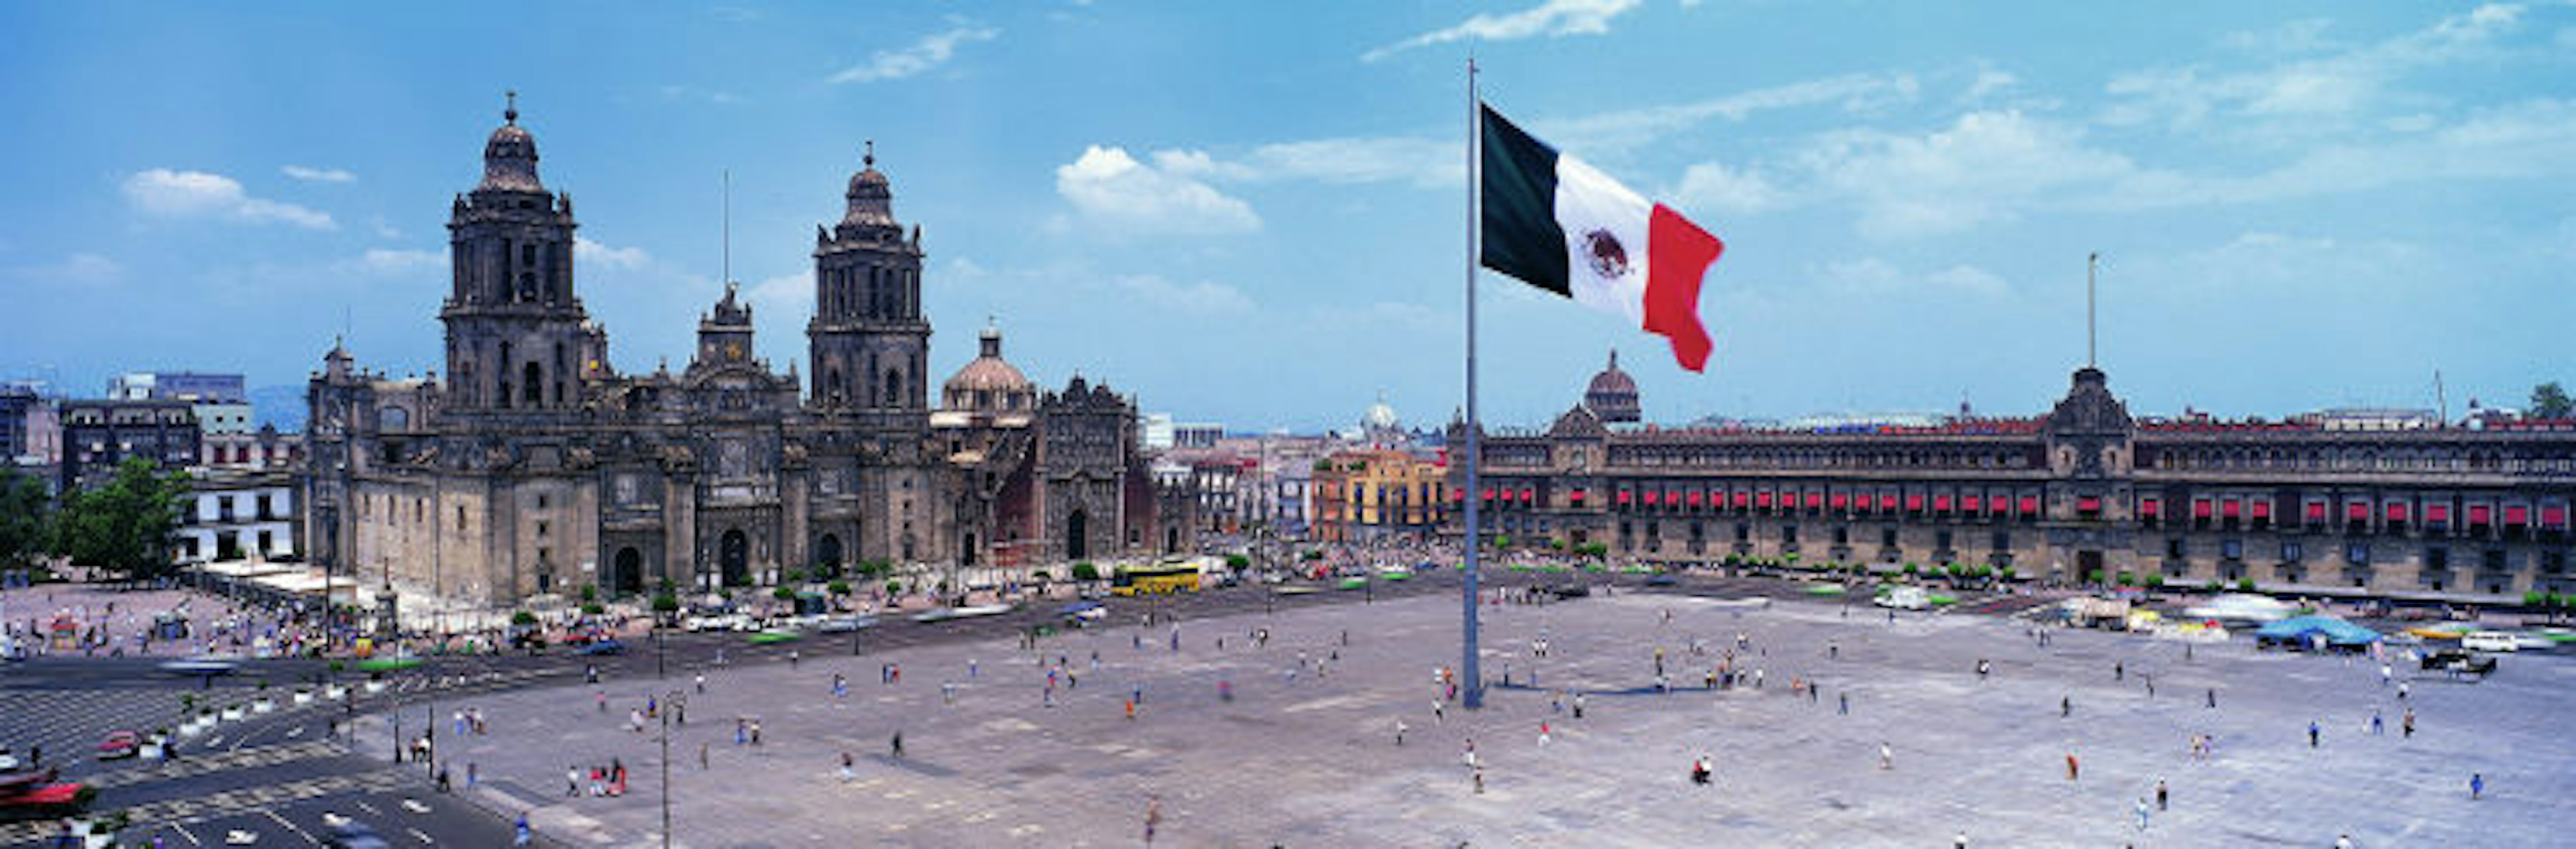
{"points": [[1155, 580]]}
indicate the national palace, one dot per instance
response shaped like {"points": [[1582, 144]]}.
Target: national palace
{"points": [[2080, 490]]}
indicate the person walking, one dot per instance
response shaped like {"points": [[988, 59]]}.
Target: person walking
{"points": [[702, 756], [2074, 768], [1886, 756], [1153, 817], [1842, 703], [2407, 723], [2213, 698], [2065, 706], [2477, 785], [896, 744], [572, 781], [2160, 794], [1699, 770], [2312, 733], [849, 767], [2377, 727], [2142, 813], [1399, 732]]}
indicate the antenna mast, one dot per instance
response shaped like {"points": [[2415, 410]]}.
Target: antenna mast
{"points": [[2092, 263], [726, 269]]}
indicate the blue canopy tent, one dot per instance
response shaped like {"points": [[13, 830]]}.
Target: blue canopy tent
{"points": [[2315, 632]]}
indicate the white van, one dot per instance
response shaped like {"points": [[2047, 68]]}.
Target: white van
{"points": [[2491, 641], [1905, 598]]}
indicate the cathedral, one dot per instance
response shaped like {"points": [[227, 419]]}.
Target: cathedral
{"points": [[536, 468]]}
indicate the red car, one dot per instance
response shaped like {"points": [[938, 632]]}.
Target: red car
{"points": [[121, 744], [35, 795]]}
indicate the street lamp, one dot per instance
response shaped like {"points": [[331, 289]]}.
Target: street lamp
{"points": [[670, 701]]}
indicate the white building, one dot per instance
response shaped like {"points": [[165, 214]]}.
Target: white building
{"points": [[238, 516]]}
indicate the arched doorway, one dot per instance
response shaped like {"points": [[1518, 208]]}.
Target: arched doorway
{"points": [[628, 574], [1077, 536], [733, 558], [966, 555], [827, 554], [1171, 540]]}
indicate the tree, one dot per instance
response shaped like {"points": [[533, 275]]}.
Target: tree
{"points": [[1084, 571], [26, 519], [2550, 401], [125, 525]]}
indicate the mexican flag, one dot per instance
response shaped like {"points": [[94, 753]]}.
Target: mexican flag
{"points": [[1561, 225]]}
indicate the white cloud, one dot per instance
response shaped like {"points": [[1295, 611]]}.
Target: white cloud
{"points": [[1987, 166], [320, 175], [2304, 90], [80, 270], [1988, 83], [930, 52], [1552, 18], [1201, 298], [1877, 277], [1599, 135], [383, 230], [197, 194], [1715, 188], [695, 93], [390, 261], [784, 294], [1113, 190], [603, 256]]}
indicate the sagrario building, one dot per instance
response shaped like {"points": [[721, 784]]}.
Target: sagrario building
{"points": [[2447, 512]]}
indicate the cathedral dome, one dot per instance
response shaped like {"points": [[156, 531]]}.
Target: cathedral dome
{"points": [[989, 383], [510, 156], [871, 199], [1379, 416], [1613, 394]]}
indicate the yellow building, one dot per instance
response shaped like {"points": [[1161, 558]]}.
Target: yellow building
{"points": [[1368, 494]]}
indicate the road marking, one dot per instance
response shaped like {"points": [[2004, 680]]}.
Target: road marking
{"points": [[414, 806], [297, 731], [370, 809], [184, 832], [240, 837], [299, 832], [416, 833]]}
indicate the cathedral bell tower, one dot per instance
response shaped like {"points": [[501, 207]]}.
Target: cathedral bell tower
{"points": [[515, 335], [869, 341]]}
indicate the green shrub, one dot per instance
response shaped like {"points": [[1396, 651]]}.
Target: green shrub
{"points": [[1237, 562], [2244, 585], [894, 588], [1086, 571], [665, 602], [783, 592], [1042, 575], [593, 608], [2155, 582], [523, 618], [839, 587], [589, 592]]}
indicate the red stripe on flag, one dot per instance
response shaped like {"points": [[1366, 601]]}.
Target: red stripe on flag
{"points": [[1678, 255]]}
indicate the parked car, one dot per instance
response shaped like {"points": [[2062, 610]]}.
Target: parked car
{"points": [[843, 624], [2459, 662], [352, 834], [602, 646], [120, 744], [2491, 641]]}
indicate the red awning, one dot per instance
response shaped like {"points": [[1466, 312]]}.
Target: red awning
{"points": [[1694, 498], [1815, 500], [1623, 496], [1762, 500], [1940, 504], [1577, 495], [1653, 496], [2357, 511], [2397, 512], [1842, 500], [1457, 495], [2088, 504], [2437, 512], [1489, 494], [1739, 499], [2553, 517], [1529, 495], [2151, 508], [2030, 505], [1914, 502], [1887, 502], [1972, 504], [2229, 507], [2200, 508], [2316, 511], [2478, 514], [2517, 515], [2262, 508]]}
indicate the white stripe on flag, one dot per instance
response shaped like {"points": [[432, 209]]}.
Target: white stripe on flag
{"points": [[1605, 239]]}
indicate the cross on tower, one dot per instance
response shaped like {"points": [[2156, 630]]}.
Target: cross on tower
{"points": [[510, 112], [870, 157]]}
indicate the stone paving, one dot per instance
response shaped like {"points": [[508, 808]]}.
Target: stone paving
{"points": [[1297, 759]]}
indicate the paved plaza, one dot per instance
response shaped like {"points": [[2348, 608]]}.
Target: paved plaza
{"points": [[1298, 758]]}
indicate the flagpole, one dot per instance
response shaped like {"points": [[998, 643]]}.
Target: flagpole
{"points": [[1475, 697]]}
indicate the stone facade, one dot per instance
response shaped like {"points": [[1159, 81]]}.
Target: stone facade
{"points": [[2084, 487], [97, 435], [536, 468]]}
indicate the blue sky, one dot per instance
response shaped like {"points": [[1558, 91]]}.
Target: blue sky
{"points": [[1254, 213]]}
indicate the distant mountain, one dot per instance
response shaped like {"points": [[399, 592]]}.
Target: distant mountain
{"points": [[281, 406]]}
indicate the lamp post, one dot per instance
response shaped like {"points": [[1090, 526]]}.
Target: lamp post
{"points": [[669, 702]]}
